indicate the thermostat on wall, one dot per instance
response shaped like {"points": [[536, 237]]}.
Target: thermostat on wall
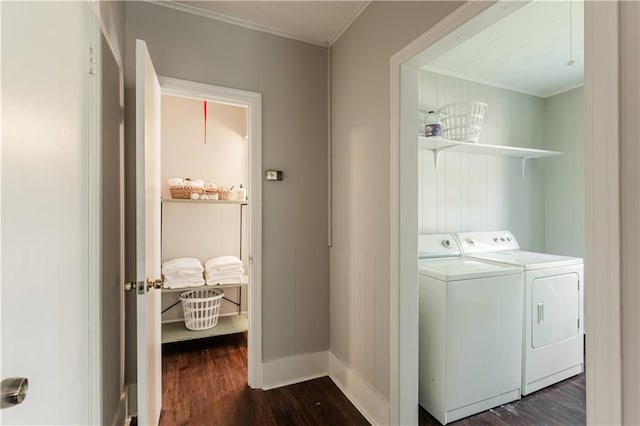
{"points": [[274, 174]]}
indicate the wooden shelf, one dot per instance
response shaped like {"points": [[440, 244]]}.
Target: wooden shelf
{"points": [[524, 154], [245, 281], [177, 332], [174, 200]]}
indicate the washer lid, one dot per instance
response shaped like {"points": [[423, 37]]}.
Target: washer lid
{"points": [[462, 268], [529, 260]]}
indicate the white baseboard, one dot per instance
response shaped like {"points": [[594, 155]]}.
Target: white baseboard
{"points": [[294, 369], [371, 404]]}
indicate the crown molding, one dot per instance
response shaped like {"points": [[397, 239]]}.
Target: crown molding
{"points": [[235, 21], [354, 16]]}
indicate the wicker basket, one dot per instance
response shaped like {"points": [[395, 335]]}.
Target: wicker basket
{"points": [[463, 121], [224, 194], [184, 192], [201, 308]]}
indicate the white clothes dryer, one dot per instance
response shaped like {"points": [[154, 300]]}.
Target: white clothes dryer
{"points": [[553, 344], [470, 332]]}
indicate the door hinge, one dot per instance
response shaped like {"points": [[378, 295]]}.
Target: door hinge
{"points": [[578, 285], [92, 60], [578, 323]]}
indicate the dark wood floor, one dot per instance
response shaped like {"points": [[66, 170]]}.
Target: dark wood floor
{"points": [[204, 383], [561, 404]]}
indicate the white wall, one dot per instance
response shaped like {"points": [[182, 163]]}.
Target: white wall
{"points": [[292, 77], [202, 230], [360, 172], [483, 192], [564, 175]]}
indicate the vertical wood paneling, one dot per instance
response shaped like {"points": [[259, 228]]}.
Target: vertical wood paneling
{"points": [[370, 317], [321, 298], [272, 304], [303, 306], [296, 301], [381, 346], [479, 192]]}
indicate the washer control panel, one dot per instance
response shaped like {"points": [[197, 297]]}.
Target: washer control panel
{"points": [[437, 245]]}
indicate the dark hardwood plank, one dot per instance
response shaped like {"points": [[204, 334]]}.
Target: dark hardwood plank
{"points": [[204, 382], [561, 404]]}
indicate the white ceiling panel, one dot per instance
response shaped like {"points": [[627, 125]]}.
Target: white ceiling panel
{"points": [[526, 51]]}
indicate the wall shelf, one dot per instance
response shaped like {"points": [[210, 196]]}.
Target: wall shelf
{"points": [[177, 332], [245, 281], [524, 154], [175, 200]]}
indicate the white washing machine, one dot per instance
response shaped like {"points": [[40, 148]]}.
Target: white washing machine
{"points": [[553, 306], [470, 331]]}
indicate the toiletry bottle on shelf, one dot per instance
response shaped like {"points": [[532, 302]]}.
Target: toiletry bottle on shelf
{"points": [[433, 126], [242, 193]]}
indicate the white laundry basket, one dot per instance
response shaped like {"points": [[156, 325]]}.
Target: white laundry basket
{"points": [[463, 121], [201, 308]]}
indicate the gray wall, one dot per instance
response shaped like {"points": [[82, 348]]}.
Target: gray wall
{"points": [[112, 298], [360, 121], [564, 175], [292, 78], [630, 208]]}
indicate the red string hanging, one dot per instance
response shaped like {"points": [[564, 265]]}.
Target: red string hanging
{"points": [[205, 122]]}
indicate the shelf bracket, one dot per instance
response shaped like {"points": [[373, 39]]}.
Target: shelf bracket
{"points": [[436, 155], [523, 165]]}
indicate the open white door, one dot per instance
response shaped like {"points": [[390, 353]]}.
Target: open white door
{"points": [[148, 267]]}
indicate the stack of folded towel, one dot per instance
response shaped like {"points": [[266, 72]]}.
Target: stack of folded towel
{"points": [[224, 270], [182, 273]]}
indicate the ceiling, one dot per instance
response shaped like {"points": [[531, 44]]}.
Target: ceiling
{"points": [[316, 22], [527, 51]]}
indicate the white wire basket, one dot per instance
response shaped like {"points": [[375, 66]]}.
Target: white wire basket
{"points": [[463, 121], [201, 308]]}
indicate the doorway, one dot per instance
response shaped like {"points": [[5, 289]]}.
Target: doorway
{"points": [[208, 133], [231, 120], [405, 70]]}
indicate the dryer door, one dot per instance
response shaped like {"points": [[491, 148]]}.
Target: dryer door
{"points": [[555, 309]]}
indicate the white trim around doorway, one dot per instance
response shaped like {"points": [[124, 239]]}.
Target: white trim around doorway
{"points": [[602, 171], [253, 102]]}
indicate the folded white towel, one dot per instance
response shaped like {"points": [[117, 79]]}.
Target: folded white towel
{"points": [[183, 283], [182, 275], [222, 275], [230, 268], [235, 279], [223, 262], [185, 264]]}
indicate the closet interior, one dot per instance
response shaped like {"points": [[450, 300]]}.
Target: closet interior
{"points": [[204, 212]]}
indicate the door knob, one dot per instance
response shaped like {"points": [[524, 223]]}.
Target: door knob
{"points": [[128, 286], [157, 284], [14, 391]]}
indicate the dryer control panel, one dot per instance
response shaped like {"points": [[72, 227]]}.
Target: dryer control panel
{"points": [[486, 242]]}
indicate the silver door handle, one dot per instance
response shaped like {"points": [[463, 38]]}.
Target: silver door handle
{"points": [[14, 391], [540, 312]]}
